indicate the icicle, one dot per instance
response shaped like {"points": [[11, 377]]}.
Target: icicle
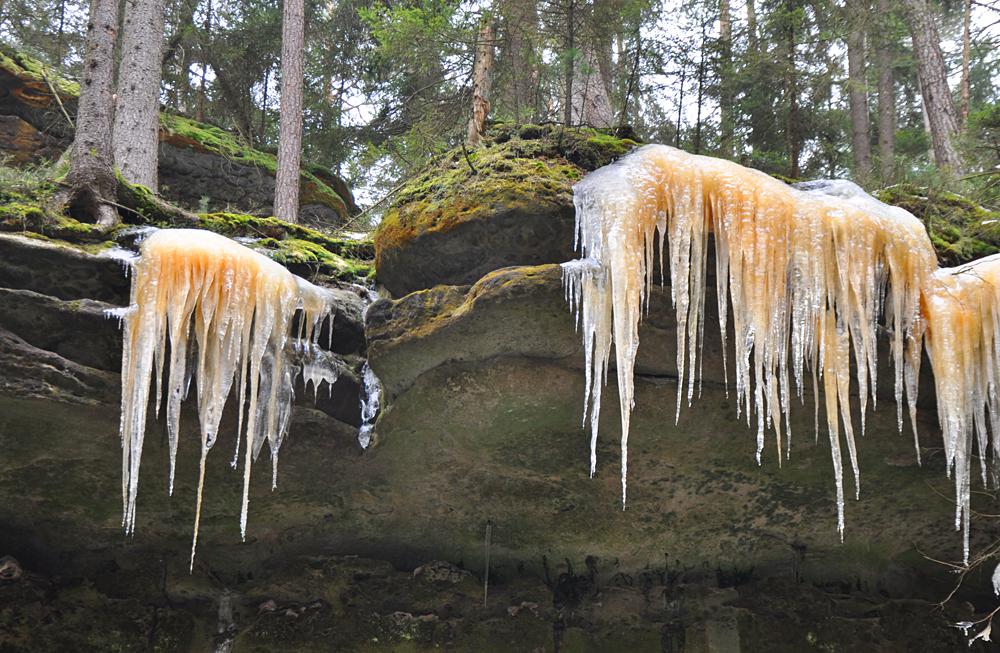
{"points": [[238, 306], [963, 343], [805, 272]]}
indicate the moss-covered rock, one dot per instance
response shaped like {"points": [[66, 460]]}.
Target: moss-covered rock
{"points": [[306, 251], [960, 229], [509, 202], [201, 165]]}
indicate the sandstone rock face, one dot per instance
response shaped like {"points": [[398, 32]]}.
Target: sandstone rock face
{"points": [[479, 454], [509, 202], [22, 143], [203, 180]]}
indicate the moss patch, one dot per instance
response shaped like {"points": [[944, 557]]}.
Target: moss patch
{"points": [[960, 230], [518, 166], [304, 250], [29, 69], [184, 132]]}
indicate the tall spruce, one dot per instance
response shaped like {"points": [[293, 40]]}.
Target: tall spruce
{"points": [[857, 87], [481, 79], [91, 183], [939, 107], [286, 186], [136, 126]]}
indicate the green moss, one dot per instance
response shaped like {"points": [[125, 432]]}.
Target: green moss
{"points": [[960, 229], [185, 132], [30, 69], [310, 259], [304, 250], [518, 166]]}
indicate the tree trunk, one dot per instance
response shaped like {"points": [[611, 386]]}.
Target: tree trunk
{"points": [[481, 78], [680, 109], [519, 20], [91, 179], [792, 97], [933, 76], [725, 80], [886, 99], [591, 103], [857, 89], [200, 111], [701, 86], [286, 186], [570, 64], [137, 116], [752, 25], [966, 47]]}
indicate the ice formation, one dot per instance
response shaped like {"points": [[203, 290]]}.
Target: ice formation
{"points": [[963, 343], [371, 403], [807, 274], [206, 308]]}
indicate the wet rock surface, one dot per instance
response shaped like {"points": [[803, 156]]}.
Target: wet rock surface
{"points": [[347, 603]]}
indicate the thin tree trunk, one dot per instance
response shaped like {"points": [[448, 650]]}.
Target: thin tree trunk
{"points": [[701, 85], [886, 99], [591, 103], [966, 47], [857, 90], [725, 80], [680, 109], [570, 64], [631, 86], [91, 179], [60, 34], [758, 117], [939, 107], [286, 186], [263, 107], [137, 116], [200, 111], [481, 80], [519, 21], [792, 93]]}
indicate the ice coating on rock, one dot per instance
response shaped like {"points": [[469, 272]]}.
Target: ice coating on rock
{"points": [[807, 273], [963, 345], [371, 403], [208, 309]]}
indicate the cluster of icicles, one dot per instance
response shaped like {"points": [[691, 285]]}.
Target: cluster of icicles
{"points": [[205, 307], [809, 275]]}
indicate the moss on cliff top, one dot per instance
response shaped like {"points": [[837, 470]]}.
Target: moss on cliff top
{"points": [[960, 229], [185, 132], [30, 69], [25, 208], [518, 166]]}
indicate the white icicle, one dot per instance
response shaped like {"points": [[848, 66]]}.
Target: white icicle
{"points": [[805, 273], [223, 312]]}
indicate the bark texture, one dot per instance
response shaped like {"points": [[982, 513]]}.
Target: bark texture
{"points": [[591, 100], [857, 88], [939, 107], [286, 187], [481, 81], [91, 179], [136, 126], [886, 100]]}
